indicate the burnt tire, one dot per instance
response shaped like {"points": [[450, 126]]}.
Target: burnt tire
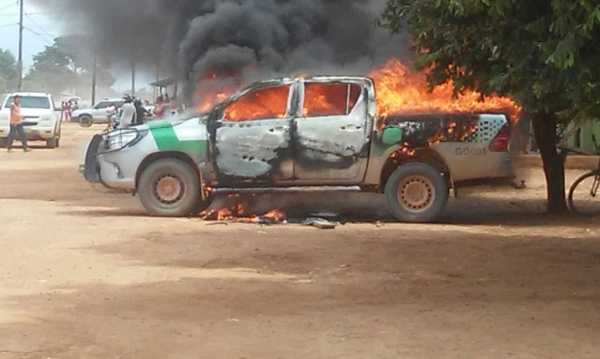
{"points": [[416, 193], [86, 121], [169, 188]]}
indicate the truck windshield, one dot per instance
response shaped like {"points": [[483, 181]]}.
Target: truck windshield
{"points": [[31, 102]]}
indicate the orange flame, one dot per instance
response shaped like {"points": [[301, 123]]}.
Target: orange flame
{"points": [[401, 91], [238, 213]]}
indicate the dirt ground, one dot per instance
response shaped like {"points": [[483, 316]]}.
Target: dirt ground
{"points": [[85, 274]]}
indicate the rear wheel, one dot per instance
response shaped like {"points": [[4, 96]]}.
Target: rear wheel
{"points": [[417, 193], [3, 142], [584, 196], [170, 188], [85, 121]]}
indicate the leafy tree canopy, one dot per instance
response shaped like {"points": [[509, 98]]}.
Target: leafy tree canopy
{"points": [[8, 70], [543, 54]]}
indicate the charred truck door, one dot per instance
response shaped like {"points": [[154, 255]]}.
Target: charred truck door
{"points": [[252, 137], [333, 131]]}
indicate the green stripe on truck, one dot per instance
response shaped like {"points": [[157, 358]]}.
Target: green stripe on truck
{"points": [[166, 140]]}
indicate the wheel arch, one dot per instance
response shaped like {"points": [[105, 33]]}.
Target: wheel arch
{"points": [[422, 155], [163, 155]]}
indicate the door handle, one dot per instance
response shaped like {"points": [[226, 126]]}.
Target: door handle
{"points": [[281, 129]]}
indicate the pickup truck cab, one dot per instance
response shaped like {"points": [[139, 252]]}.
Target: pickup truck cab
{"points": [[321, 131]]}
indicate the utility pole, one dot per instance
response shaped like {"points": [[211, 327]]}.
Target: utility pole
{"points": [[156, 88], [133, 74], [94, 70], [20, 60]]}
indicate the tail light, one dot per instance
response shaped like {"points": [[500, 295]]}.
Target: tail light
{"points": [[500, 142]]}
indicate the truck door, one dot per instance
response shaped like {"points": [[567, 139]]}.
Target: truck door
{"points": [[333, 131], [251, 141]]}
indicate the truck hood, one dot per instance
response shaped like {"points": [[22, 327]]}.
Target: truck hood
{"points": [[172, 122], [29, 112]]}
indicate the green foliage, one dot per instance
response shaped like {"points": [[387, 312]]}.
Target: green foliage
{"points": [[8, 70], [543, 54], [66, 65]]}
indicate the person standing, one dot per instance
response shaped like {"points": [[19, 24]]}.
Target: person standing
{"points": [[16, 125], [66, 109], [159, 108], [128, 113], [111, 112]]}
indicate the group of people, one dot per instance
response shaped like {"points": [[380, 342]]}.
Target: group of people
{"points": [[67, 109], [134, 113]]}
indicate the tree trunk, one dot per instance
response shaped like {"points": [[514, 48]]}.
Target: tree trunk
{"points": [[544, 127]]}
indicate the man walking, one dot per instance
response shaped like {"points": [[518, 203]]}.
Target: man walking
{"points": [[16, 125]]}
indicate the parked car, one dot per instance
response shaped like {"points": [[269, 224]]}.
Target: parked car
{"points": [[40, 120], [303, 132], [95, 115]]}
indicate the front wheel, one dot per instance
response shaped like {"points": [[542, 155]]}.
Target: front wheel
{"points": [[584, 195], [86, 121], [170, 188], [417, 193], [53, 142]]}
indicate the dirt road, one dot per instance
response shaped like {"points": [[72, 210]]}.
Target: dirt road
{"points": [[84, 274]]}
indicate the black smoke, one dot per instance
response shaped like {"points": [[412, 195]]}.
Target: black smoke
{"points": [[199, 39]]}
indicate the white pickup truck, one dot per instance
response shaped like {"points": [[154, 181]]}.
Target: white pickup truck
{"points": [[321, 131], [40, 120]]}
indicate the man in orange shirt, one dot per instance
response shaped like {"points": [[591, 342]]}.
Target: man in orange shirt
{"points": [[16, 125]]}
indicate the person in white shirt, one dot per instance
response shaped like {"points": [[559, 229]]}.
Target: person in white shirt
{"points": [[128, 113], [111, 111]]}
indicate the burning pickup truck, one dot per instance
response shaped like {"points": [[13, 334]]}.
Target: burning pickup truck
{"points": [[320, 131]]}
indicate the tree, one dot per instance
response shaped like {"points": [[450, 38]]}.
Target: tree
{"points": [[67, 64], [8, 70], [50, 72], [542, 54]]}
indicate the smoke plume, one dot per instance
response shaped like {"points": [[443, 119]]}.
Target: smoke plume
{"points": [[202, 39]]}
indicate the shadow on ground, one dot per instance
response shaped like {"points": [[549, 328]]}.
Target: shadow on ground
{"points": [[352, 207], [399, 292]]}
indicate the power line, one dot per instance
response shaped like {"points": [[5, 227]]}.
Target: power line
{"points": [[9, 6], [38, 26], [41, 36], [43, 13]]}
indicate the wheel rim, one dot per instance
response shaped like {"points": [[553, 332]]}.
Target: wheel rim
{"points": [[169, 189], [86, 121], [416, 193]]}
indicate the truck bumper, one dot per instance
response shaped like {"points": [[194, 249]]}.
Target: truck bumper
{"points": [[31, 133], [107, 168]]}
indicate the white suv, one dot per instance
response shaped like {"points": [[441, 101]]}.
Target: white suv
{"points": [[40, 119], [94, 115]]}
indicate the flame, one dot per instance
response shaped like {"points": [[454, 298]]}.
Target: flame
{"points": [[401, 91], [261, 104], [238, 213], [329, 99]]}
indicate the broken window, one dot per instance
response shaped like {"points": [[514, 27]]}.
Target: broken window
{"points": [[330, 99], [260, 104]]}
